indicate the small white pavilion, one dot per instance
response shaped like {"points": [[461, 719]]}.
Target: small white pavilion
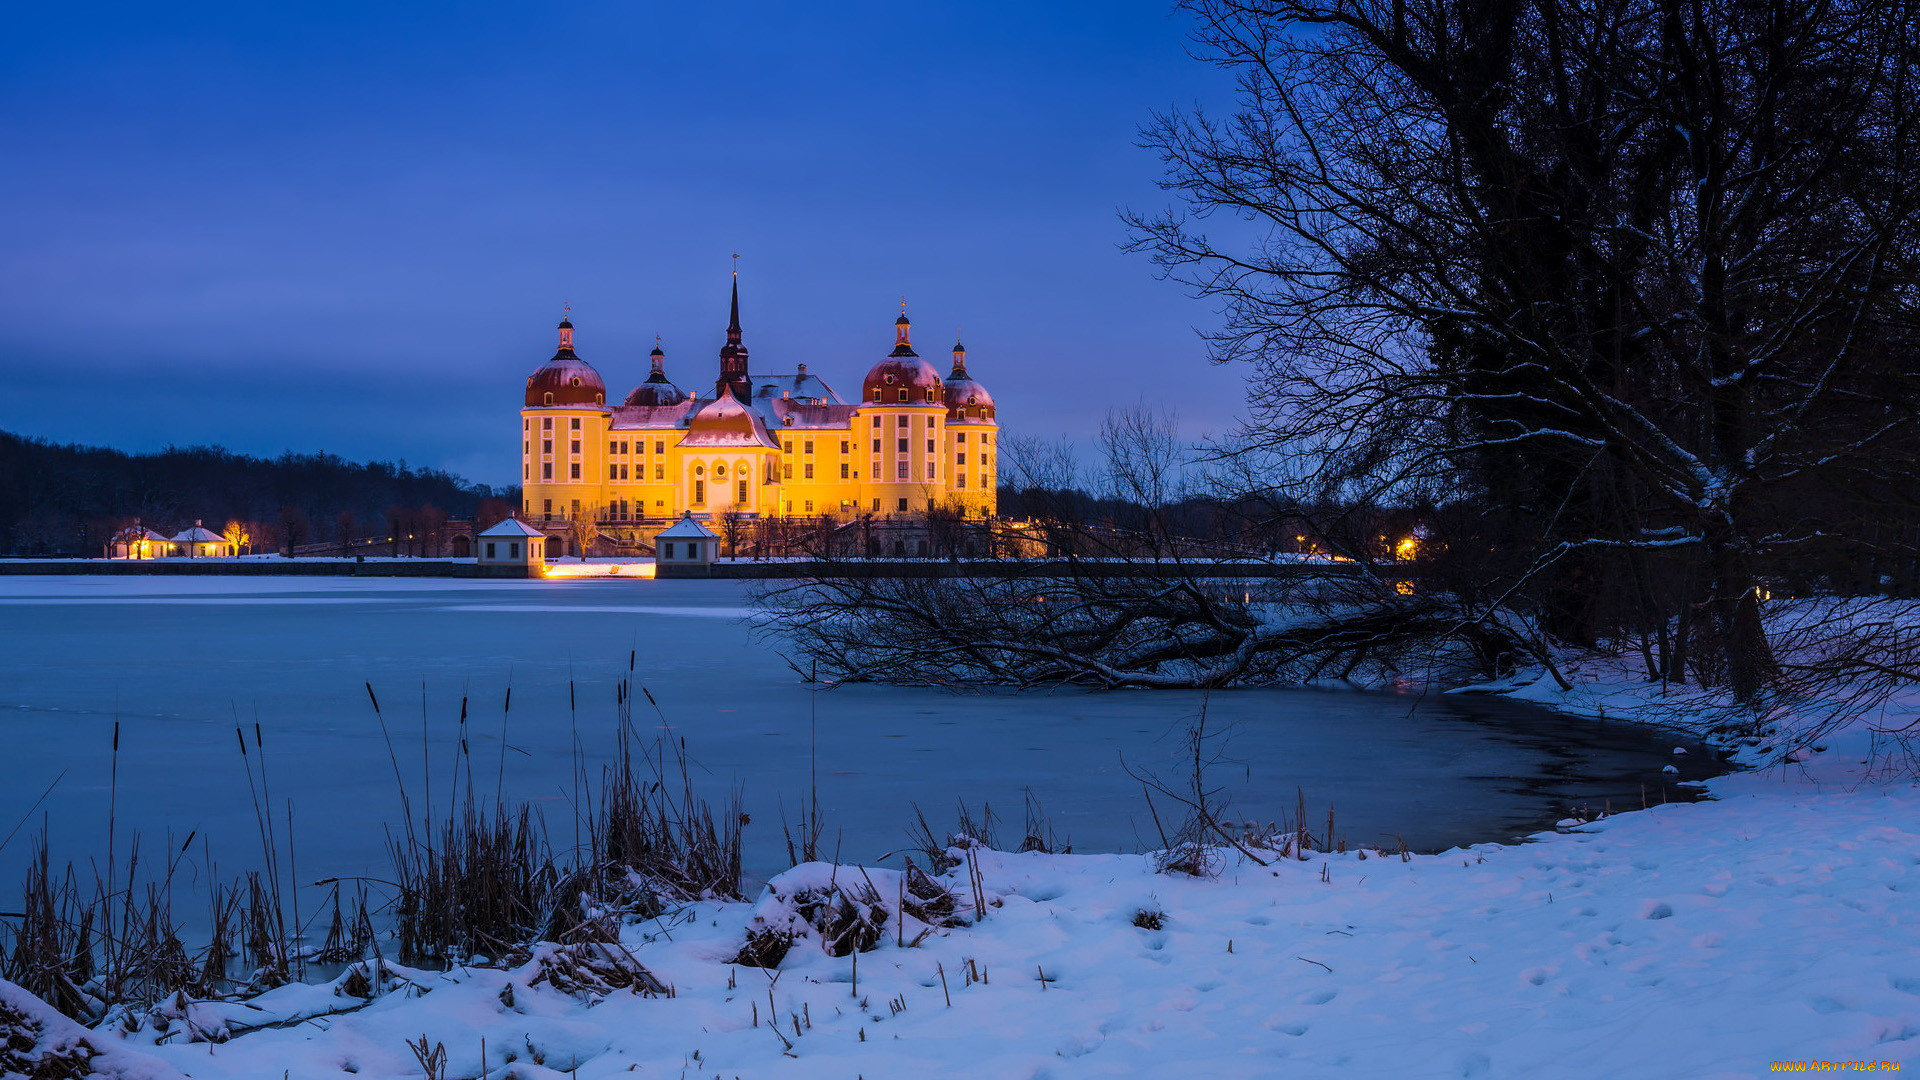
{"points": [[685, 549], [200, 542], [512, 546]]}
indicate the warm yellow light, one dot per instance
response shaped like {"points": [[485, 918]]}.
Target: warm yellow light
{"points": [[1407, 548]]}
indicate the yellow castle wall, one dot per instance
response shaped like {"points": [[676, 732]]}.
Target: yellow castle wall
{"points": [[634, 474]]}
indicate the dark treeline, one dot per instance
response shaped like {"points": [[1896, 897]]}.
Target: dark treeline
{"points": [[70, 500]]}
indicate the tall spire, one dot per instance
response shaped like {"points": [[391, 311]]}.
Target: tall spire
{"points": [[959, 358], [566, 327], [733, 355]]}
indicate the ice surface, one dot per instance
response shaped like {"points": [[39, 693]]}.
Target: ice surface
{"points": [[178, 661]]}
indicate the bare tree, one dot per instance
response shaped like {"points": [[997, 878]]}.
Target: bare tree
{"points": [[1637, 277], [1126, 599]]}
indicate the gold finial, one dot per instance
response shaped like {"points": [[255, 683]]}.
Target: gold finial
{"points": [[903, 303], [736, 264]]}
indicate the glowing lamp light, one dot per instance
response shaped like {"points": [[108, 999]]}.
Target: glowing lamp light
{"points": [[1407, 548]]}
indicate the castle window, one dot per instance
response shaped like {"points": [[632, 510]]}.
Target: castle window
{"points": [[659, 503], [742, 496], [613, 472], [659, 472], [575, 381], [889, 380], [546, 470], [807, 447], [960, 481], [490, 549], [809, 506], [623, 472], [789, 506], [930, 446], [876, 420], [786, 472], [876, 446], [576, 446], [786, 447], [546, 509], [575, 425], [876, 506], [576, 470], [843, 470], [576, 509], [809, 470], [876, 397], [699, 492], [902, 421], [526, 447], [719, 470], [901, 472], [903, 393], [549, 399], [929, 393], [929, 470], [900, 545], [699, 470], [526, 471], [843, 446], [659, 447], [666, 551], [526, 425], [969, 399], [546, 423], [613, 448], [985, 460], [962, 437], [903, 445]]}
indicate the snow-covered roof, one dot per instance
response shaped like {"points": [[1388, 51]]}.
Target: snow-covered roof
{"points": [[803, 386], [627, 417], [725, 422], [197, 535], [512, 527], [687, 529]]}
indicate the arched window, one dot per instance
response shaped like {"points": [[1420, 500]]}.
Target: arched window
{"points": [[549, 399], [876, 395]]}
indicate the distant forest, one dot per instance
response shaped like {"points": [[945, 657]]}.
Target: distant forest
{"points": [[70, 500]]}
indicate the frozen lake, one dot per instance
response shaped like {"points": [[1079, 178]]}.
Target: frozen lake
{"points": [[177, 660]]}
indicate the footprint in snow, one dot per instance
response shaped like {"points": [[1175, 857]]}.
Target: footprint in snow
{"points": [[1660, 910], [1320, 997]]}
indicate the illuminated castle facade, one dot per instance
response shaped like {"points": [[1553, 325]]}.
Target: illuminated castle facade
{"points": [[755, 445]]}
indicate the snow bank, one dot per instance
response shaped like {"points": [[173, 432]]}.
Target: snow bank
{"points": [[1701, 940]]}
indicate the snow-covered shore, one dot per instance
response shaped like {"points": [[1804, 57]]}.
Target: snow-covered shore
{"points": [[1778, 923]]}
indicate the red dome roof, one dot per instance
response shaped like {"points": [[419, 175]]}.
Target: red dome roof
{"points": [[903, 378], [566, 379], [965, 398], [657, 390]]}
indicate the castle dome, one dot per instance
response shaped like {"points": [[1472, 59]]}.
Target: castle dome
{"points": [[966, 399], [657, 390], [904, 377], [566, 379]]}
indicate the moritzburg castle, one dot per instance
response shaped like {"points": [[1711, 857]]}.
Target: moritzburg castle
{"points": [[755, 446]]}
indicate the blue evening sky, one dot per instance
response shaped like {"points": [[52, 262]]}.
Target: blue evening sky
{"points": [[349, 226]]}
